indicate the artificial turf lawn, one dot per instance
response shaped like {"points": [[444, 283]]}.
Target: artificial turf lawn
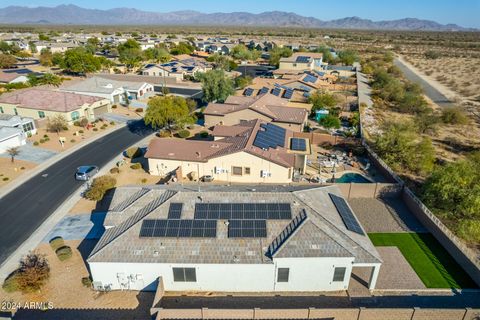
{"points": [[432, 263]]}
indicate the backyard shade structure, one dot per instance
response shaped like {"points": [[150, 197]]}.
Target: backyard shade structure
{"points": [[233, 240]]}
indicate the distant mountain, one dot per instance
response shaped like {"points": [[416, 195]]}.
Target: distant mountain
{"points": [[71, 14]]}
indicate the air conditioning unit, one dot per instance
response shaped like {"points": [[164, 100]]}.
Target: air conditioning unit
{"points": [[265, 174], [219, 170]]}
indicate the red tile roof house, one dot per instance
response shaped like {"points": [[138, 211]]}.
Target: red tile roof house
{"points": [[244, 153], [266, 107], [42, 103]]}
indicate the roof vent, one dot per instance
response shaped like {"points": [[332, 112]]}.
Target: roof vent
{"points": [[236, 259], [227, 223]]}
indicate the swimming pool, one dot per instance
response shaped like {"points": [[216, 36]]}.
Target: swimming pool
{"points": [[352, 177]]}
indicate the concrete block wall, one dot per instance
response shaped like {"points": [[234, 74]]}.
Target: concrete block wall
{"points": [[228, 313], [438, 314], [385, 314]]}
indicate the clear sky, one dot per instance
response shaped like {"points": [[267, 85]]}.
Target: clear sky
{"points": [[462, 12]]}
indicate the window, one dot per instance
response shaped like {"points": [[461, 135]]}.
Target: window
{"points": [[247, 170], [75, 115], [1, 109], [15, 111], [283, 274], [339, 274], [237, 171], [184, 275], [41, 114], [27, 127]]}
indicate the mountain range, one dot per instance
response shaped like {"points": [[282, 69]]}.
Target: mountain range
{"points": [[74, 15]]}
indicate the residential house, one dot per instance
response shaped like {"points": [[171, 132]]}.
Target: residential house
{"points": [[302, 61], [14, 75], [174, 69], [267, 107], [11, 137], [113, 90], [41, 103], [250, 152], [238, 239], [27, 125]]}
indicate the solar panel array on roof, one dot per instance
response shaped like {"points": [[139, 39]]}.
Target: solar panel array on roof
{"points": [[276, 91], [247, 229], [248, 92], [298, 144], [346, 213], [271, 137], [173, 228], [310, 78], [127, 202], [302, 59], [288, 93], [175, 210], [263, 90], [243, 211], [305, 88], [286, 233]]}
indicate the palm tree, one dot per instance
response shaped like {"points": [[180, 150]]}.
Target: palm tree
{"points": [[51, 79], [13, 152]]}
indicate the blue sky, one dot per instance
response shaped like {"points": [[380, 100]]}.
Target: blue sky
{"points": [[463, 12]]}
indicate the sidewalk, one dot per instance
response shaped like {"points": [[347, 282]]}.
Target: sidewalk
{"points": [[39, 235]]}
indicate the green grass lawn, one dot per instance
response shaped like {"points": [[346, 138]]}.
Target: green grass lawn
{"points": [[432, 263]]}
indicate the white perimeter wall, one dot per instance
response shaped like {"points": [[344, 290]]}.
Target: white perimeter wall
{"points": [[306, 274]]}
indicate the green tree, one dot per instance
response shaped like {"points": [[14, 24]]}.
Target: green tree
{"points": [[168, 112], [242, 82], [216, 85], [454, 115], [57, 123], [277, 53], [46, 79], [322, 100], [327, 54], [7, 61], [4, 47], [79, 60], [158, 54], [426, 122], [43, 37], [182, 48], [348, 57], [32, 46], [330, 121]]}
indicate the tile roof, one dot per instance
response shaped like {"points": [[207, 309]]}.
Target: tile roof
{"points": [[102, 85], [44, 99], [320, 235]]}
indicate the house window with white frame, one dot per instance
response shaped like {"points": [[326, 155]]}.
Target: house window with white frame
{"points": [[41, 114], [75, 115], [184, 275], [237, 171]]}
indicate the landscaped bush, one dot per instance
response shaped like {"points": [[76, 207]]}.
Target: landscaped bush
{"points": [[87, 282], [183, 134], [64, 253], [45, 135], [95, 129], [56, 243], [72, 140], [204, 134], [114, 170], [133, 152], [99, 187], [80, 131], [31, 275], [35, 143], [6, 179], [454, 116], [114, 106], [112, 123], [22, 168], [469, 230], [76, 123], [139, 110], [136, 166], [164, 134], [144, 180]]}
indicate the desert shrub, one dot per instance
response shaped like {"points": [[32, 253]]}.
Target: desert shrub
{"points": [[144, 180], [87, 282], [133, 152], [112, 123], [95, 129], [139, 110], [64, 253], [35, 143], [203, 134], [453, 115], [30, 276], [83, 122], [80, 131], [6, 179], [114, 170], [56, 243], [22, 168], [76, 123], [45, 135], [114, 106], [164, 134], [72, 140], [103, 128], [431, 54], [99, 187], [469, 230], [183, 134], [136, 166]]}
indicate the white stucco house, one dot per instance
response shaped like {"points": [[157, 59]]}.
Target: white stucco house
{"points": [[237, 239], [26, 124], [11, 137]]}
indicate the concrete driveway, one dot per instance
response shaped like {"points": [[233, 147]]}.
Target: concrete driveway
{"points": [[79, 227], [32, 154]]}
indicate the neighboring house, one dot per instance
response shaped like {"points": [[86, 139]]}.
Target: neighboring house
{"points": [[200, 64], [231, 240], [250, 152], [112, 90], [27, 125], [174, 69], [14, 75], [302, 61], [40, 104], [267, 107], [11, 137], [55, 47]]}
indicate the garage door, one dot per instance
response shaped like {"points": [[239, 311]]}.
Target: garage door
{"points": [[100, 110]]}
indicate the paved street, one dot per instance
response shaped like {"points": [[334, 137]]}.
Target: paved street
{"points": [[24, 209], [430, 91]]}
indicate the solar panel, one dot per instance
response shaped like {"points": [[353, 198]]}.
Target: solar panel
{"points": [[263, 90], [288, 93], [346, 213], [305, 88], [276, 91], [173, 228], [298, 144], [175, 210], [248, 92], [310, 78], [247, 229], [302, 59], [126, 203], [271, 137], [286, 233], [241, 211]]}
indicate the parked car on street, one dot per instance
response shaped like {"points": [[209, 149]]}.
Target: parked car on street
{"points": [[207, 178], [84, 173]]}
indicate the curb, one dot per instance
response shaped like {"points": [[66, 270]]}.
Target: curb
{"points": [[44, 165], [11, 263]]}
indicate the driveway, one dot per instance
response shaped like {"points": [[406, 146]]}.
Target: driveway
{"points": [[32, 154], [79, 227], [118, 118]]}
